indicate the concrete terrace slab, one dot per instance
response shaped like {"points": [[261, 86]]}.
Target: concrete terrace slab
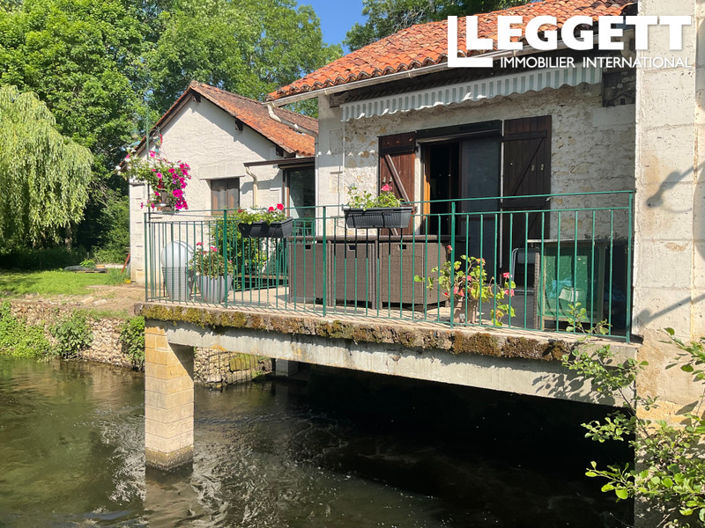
{"points": [[519, 361]]}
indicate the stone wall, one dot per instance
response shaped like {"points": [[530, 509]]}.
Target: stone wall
{"points": [[592, 147], [212, 367], [106, 347]]}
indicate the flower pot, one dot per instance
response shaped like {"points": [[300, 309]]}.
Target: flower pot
{"points": [[254, 230], [211, 289], [281, 229], [458, 310], [378, 217]]}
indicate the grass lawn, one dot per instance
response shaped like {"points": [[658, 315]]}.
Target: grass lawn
{"points": [[16, 283]]}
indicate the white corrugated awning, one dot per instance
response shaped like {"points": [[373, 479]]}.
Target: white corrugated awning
{"points": [[482, 89]]}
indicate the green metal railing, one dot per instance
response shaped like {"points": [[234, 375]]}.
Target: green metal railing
{"points": [[540, 262]]}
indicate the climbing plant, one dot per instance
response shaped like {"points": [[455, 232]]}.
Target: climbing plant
{"points": [[73, 334], [670, 477], [43, 175]]}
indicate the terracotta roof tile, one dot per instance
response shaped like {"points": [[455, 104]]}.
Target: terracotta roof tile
{"points": [[426, 44]]}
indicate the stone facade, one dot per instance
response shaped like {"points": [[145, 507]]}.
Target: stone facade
{"points": [[592, 146], [217, 368]]}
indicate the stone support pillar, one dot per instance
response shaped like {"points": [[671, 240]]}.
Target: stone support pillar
{"points": [[169, 402]]}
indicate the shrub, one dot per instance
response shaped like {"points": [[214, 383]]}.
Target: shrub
{"points": [[42, 259], [19, 339], [73, 334], [132, 340], [88, 263], [110, 255]]}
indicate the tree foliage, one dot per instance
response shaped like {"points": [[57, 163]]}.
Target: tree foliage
{"points": [[670, 477], [385, 17], [43, 175], [249, 47]]}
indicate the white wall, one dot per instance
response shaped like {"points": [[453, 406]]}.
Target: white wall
{"points": [[207, 138]]}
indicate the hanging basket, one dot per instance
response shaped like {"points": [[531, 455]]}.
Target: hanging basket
{"points": [[281, 229]]}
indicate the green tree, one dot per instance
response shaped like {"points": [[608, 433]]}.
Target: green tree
{"points": [[385, 17], [249, 47], [44, 176]]}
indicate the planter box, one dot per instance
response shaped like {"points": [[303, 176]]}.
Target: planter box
{"points": [[378, 217], [281, 229], [254, 230], [211, 289]]}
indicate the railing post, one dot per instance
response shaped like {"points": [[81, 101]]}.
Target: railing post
{"points": [[146, 253], [225, 252], [630, 229], [325, 261], [451, 293]]}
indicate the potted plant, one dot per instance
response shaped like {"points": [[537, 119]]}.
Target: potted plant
{"points": [[470, 285], [271, 223], [166, 179], [365, 211], [208, 264]]}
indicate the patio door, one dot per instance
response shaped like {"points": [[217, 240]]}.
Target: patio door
{"points": [[527, 171], [397, 160]]}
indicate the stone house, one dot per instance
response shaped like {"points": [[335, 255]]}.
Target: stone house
{"points": [[538, 153], [242, 154]]}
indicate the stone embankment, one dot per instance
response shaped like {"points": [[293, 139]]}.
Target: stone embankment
{"points": [[212, 367]]}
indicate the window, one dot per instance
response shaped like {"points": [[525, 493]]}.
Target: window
{"points": [[225, 194]]}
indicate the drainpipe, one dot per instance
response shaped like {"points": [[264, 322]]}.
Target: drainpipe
{"points": [[255, 184], [291, 124]]}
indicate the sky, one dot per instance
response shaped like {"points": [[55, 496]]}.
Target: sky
{"points": [[336, 17]]}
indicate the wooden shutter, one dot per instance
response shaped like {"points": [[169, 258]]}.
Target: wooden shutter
{"points": [[527, 171], [397, 156], [225, 194]]}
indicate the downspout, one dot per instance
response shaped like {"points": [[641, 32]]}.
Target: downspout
{"points": [[290, 124], [255, 184]]}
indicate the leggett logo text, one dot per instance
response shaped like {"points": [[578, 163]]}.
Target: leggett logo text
{"points": [[577, 33]]}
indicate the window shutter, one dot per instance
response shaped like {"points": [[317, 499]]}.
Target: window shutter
{"points": [[527, 171], [397, 156]]}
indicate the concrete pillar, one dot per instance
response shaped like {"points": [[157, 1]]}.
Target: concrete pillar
{"points": [[284, 368], [168, 398]]}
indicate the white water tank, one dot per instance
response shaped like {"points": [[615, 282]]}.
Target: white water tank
{"points": [[175, 258]]}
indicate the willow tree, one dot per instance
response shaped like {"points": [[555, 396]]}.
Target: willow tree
{"points": [[44, 176]]}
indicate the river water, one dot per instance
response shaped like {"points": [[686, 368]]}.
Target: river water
{"points": [[345, 450]]}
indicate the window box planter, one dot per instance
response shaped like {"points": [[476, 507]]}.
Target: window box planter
{"points": [[254, 230], [281, 229], [211, 289], [378, 217]]}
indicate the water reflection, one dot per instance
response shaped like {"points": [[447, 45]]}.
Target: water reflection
{"points": [[343, 451]]}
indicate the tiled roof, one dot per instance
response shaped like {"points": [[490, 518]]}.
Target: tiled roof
{"points": [[255, 115], [427, 44]]}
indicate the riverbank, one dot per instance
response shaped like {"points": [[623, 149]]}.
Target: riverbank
{"points": [[108, 309]]}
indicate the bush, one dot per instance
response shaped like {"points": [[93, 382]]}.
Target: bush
{"points": [[42, 259], [88, 263], [19, 339], [132, 339], [73, 335], [110, 256]]}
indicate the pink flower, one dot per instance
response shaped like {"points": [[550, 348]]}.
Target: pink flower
{"points": [[141, 205], [449, 247], [127, 157], [213, 248], [270, 209], [280, 207], [506, 275], [159, 175], [386, 187], [151, 154], [199, 243]]}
